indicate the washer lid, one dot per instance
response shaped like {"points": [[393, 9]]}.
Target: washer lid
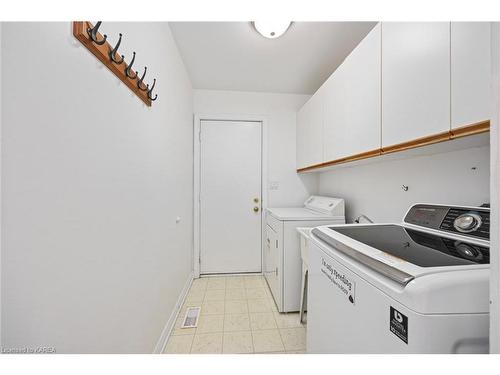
{"points": [[417, 247], [426, 289]]}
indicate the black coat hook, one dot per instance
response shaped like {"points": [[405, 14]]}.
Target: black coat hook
{"points": [[150, 91], [128, 70], [113, 52], [140, 83], [93, 34]]}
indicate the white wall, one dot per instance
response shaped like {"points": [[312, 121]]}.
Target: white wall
{"points": [[495, 192], [375, 189], [93, 180], [280, 111]]}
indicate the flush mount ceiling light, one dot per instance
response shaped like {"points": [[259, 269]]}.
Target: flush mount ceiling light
{"points": [[271, 29]]}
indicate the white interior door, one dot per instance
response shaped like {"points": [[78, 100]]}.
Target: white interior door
{"points": [[230, 196]]}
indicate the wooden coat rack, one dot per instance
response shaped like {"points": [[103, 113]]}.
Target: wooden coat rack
{"points": [[113, 61]]}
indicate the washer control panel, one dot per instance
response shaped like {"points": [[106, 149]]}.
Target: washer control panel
{"points": [[472, 222]]}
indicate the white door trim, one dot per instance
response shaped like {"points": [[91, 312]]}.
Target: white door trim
{"points": [[198, 118]]}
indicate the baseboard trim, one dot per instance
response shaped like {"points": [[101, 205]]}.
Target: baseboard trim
{"points": [[162, 341]]}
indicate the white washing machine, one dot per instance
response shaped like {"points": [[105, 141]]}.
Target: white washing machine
{"points": [[421, 286], [282, 265]]}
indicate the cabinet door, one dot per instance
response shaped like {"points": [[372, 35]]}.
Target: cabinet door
{"points": [[271, 266], [310, 131], [470, 73], [352, 102], [415, 80]]}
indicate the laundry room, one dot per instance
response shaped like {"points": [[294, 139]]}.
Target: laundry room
{"points": [[228, 187]]}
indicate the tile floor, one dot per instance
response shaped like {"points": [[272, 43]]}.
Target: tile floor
{"points": [[238, 315]]}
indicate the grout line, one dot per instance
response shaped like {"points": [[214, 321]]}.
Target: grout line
{"points": [[192, 342]]}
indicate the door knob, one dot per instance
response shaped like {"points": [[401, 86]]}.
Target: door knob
{"points": [[256, 209]]}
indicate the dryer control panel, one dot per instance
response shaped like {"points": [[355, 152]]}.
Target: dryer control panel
{"points": [[325, 205], [466, 221]]}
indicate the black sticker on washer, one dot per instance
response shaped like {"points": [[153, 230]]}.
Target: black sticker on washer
{"points": [[399, 324]]}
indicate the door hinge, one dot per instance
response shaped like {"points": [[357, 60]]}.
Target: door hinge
{"points": [[276, 243], [199, 135]]}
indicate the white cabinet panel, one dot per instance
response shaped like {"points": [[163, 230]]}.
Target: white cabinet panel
{"points": [[415, 80], [352, 102], [271, 262], [470, 72], [310, 131]]}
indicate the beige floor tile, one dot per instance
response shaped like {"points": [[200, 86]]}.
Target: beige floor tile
{"points": [[235, 282], [256, 293], [287, 320], [237, 342], [267, 341], [200, 283], [183, 331], [210, 323], [207, 343], [198, 288], [179, 344], [269, 294], [236, 322], [195, 296], [188, 304], [216, 283], [232, 294], [273, 305], [215, 295], [293, 338], [260, 321], [197, 285], [254, 282], [259, 305], [296, 352], [212, 308], [236, 307]]}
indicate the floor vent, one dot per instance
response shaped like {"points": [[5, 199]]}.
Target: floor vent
{"points": [[191, 318]]}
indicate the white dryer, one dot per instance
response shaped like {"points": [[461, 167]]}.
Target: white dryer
{"points": [[282, 266]]}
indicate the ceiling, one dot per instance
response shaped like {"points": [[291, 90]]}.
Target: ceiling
{"points": [[233, 56]]}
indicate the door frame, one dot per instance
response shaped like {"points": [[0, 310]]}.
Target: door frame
{"points": [[198, 118]]}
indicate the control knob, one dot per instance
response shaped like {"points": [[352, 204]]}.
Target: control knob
{"points": [[468, 251], [468, 222]]}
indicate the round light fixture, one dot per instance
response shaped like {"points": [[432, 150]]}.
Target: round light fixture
{"points": [[271, 29]]}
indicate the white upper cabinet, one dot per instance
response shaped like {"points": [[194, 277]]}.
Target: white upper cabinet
{"points": [[470, 72], [352, 101], [310, 131], [415, 80]]}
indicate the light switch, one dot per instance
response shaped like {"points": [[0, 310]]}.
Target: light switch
{"points": [[274, 185]]}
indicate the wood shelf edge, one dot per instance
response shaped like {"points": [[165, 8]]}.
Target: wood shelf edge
{"points": [[347, 159], [465, 131], [419, 142], [477, 128], [101, 52]]}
